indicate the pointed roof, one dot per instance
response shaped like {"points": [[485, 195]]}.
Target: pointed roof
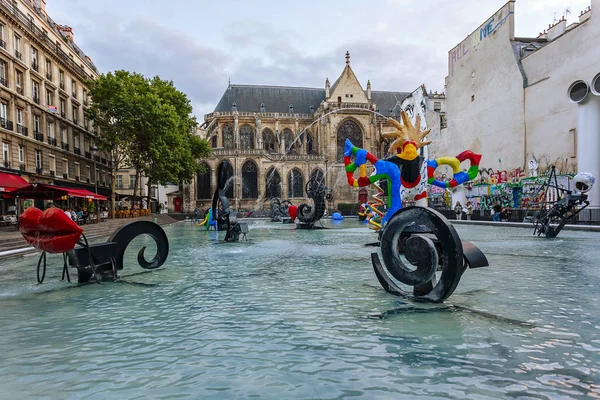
{"points": [[348, 76]]}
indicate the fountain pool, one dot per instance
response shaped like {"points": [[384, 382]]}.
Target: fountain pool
{"points": [[297, 314]]}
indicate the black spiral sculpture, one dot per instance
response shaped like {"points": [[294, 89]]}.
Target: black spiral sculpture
{"points": [[102, 260], [279, 209], [307, 214], [417, 243]]}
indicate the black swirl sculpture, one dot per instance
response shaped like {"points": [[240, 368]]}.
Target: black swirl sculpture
{"points": [[104, 260], [317, 191], [417, 245], [279, 209]]}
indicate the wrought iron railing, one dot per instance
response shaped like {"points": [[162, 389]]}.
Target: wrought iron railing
{"points": [[38, 136], [6, 124], [22, 130]]}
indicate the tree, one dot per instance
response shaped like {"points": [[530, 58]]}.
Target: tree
{"points": [[146, 124]]}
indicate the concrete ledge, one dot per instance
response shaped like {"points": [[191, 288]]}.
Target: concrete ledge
{"points": [[585, 228]]}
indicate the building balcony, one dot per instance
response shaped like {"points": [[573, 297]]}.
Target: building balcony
{"points": [[38, 136], [52, 173], [74, 95], [77, 178], [3, 44], [49, 76], [38, 170], [4, 82], [6, 124], [18, 55], [36, 99], [20, 90], [22, 130], [6, 164], [88, 155], [64, 146], [63, 114], [262, 115], [75, 121], [34, 66], [51, 141], [77, 150], [65, 175], [62, 85], [85, 102], [103, 161]]}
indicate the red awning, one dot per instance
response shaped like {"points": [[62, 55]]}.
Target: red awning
{"points": [[10, 182], [50, 192]]}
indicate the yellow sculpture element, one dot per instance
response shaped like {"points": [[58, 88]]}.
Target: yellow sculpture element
{"points": [[407, 132]]}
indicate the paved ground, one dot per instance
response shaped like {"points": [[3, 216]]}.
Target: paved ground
{"points": [[13, 244]]}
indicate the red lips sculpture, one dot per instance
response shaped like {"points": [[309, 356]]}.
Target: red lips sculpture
{"points": [[51, 231], [293, 212]]}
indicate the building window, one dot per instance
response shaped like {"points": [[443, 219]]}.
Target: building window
{"points": [[21, 154], [17, 45], [49, 97], [63, 135], [89, 172], [291, 145], [2, 37], [443, 122], [348, 130], [74, 88], [131, 181], [437, 106], [77, 170], [228, 138], [76, 140], [85, 99], [268, 140], [246, 137], [48, 69], [119, 181], [50, 130], [61, 78], [5, 154], [34, 58], [38, 160], [3, 73], [36, 92], [36, 124], [19, 81], [75, 114], [310, 144], [204, 190], [65, 168], [19, 116], [63, 107], [249, 180], [273, 184], [52, 161], [3, 113], [295, 183]]}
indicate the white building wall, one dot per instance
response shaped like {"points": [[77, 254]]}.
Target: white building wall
{"points": [[551, 119], [485, 96]]}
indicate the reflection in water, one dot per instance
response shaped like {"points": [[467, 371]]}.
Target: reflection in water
{"points": [[299, 314]]}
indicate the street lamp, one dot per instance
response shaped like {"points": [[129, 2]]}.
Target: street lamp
{"points": [[94, 150]]}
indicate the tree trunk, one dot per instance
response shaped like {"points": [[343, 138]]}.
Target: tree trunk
{"points": [[148, 196], [135, 188], [113, 190]]}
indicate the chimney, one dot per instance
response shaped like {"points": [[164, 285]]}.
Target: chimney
{"points": [[557, 29], [585, 14], [369, 90], [65, 31]]}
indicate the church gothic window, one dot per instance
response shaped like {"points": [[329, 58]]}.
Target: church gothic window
{"points": [[225, 171], [295, 183], [348, 130], [204, 190], [290, 146], [246, 137], [273, 184], [310, 144], [249, 180], [228, 138], [268, 140]]}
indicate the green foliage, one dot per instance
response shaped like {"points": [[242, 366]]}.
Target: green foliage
{"points": [[91, 207], [146, 123]]}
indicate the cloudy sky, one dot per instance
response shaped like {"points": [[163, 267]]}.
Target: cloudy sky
{"points": [[397, 44]]}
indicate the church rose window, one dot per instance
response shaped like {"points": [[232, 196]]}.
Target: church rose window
{"points": [[348, 130]]}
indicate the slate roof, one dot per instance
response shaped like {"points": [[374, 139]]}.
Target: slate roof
{"points": [[248, 98]]}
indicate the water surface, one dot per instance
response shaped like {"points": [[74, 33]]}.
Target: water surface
{"points": [[295, 314]]}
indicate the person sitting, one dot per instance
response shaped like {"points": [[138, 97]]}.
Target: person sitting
{"points": [[73, 215], [85, 216], [506, 213]]}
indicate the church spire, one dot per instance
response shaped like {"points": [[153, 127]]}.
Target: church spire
{"points": [[347, 58]]}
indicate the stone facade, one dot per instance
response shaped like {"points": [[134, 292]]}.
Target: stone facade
{"points": [[276, 138], [44, 135]]}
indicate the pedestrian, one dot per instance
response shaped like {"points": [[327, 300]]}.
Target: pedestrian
{"points": [[458, 210], [469, 210], [497, 212]]}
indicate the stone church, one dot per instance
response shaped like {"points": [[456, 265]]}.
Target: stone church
{"points": [[275, 138]]}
